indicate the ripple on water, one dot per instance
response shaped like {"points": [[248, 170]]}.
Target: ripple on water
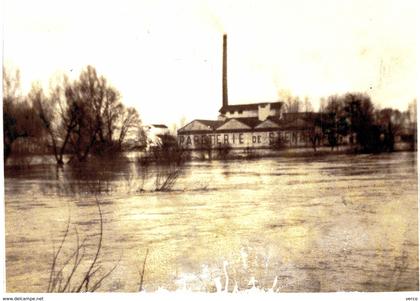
{"points": [[324, 224]]}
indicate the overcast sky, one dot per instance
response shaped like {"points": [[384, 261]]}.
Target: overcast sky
{"points": [[165, 57]]}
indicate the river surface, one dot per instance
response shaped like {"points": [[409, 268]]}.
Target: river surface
{"points": [[333, 223]]}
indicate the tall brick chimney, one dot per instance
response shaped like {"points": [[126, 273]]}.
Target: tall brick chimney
{"points": [[225, 88]]}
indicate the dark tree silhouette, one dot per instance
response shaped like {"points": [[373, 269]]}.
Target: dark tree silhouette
{"points": [[391, 122], [58, 115], [19, 118], [360, 111], [84, 116], [335, 123], [129, 119]]}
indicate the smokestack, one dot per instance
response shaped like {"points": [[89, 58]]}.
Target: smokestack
{"points": [[225, 88]]}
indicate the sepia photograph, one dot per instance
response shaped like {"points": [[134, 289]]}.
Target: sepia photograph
{"points": [[236, 147]]}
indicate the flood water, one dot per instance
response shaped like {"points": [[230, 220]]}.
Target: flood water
{"points": [[334, 223]]}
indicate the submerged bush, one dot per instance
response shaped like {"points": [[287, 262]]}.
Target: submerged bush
{"points": [[168, 159], [279, 143], [169, 152], [223, 151]]}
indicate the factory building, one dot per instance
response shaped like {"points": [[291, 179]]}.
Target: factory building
{"points": [[257, 125]]}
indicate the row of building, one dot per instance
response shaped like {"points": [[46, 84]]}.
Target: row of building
{"points": [[259, 125]]}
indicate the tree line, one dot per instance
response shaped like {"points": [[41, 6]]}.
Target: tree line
{"points": [[354, 116], [78, 118]]}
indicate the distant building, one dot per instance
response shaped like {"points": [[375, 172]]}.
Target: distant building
{"points": [[154, 133], [296, 130], [258, 125], [261, 111]]}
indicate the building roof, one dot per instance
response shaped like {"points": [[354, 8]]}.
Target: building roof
{"points": [[201, 125], [290, 121], [271, 122], [249, 121], [211, 123], [237, 124], [251, 106], [162, 126]]}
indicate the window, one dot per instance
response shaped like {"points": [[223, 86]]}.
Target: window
{"points": [[240, 112]]}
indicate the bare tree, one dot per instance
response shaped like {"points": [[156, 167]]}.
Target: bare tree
{"points": [[19, 119], [87, 93], [412, 111], [412, 123], [129, 120], [105, 121], [75, 274], [11, 86], [182, 122], [112, 111], [335, 120], [307, 105], [292, 103], [391, 122], [58, 114], [84, 116]]}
